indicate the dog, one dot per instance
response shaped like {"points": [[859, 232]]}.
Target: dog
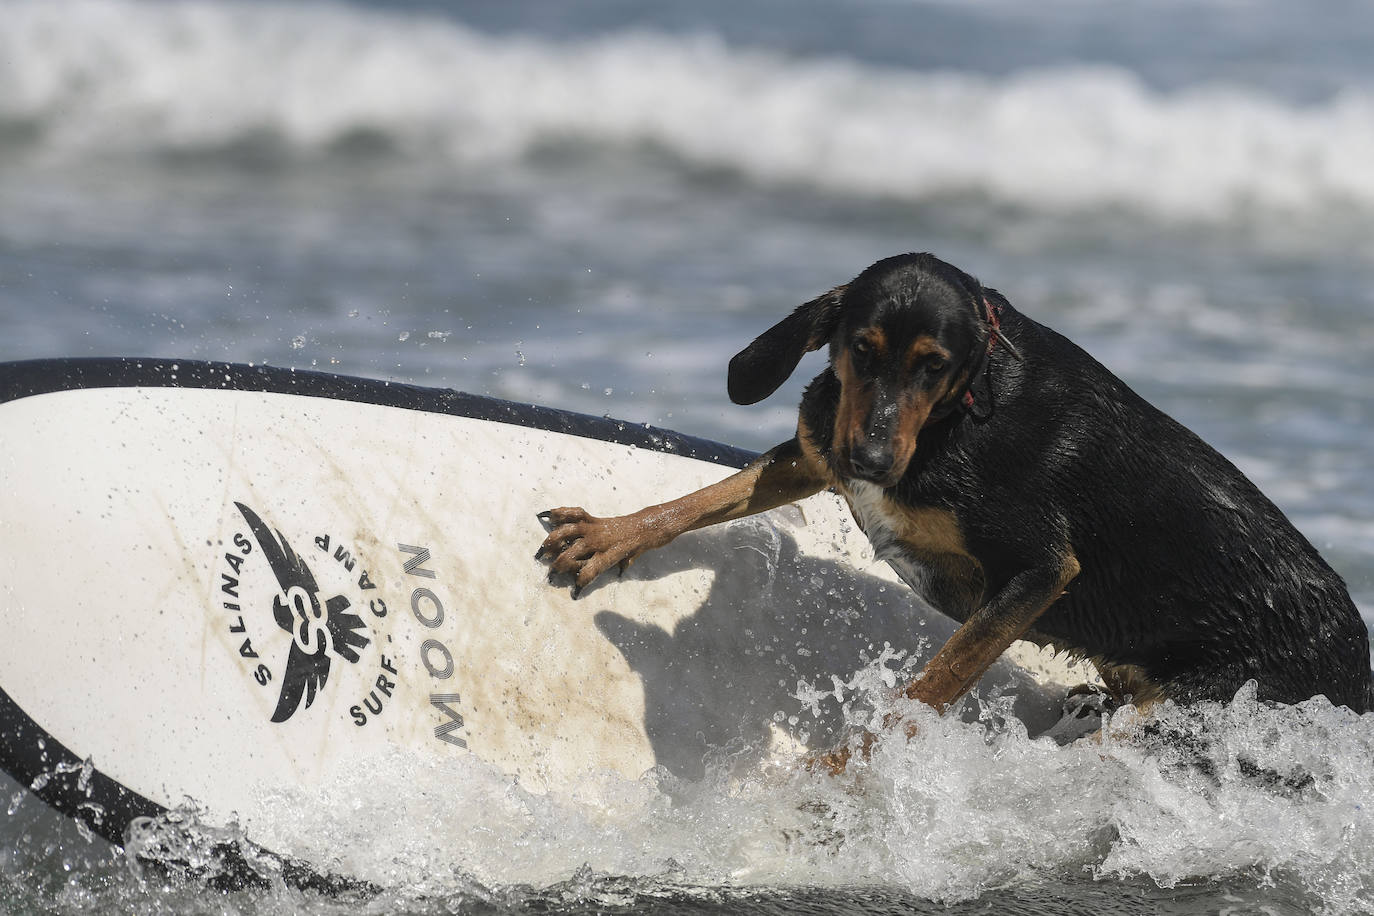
{"points": [[1025, 491]]}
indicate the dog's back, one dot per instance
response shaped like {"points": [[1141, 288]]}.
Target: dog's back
{"points": [[1189, 573]]}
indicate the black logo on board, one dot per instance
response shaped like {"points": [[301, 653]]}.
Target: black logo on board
{"points": [[321, 630], [329, 623]]}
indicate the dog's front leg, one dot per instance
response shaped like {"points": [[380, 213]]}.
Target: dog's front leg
{"points": [[585, 546], [983, 638], [978, 643]]}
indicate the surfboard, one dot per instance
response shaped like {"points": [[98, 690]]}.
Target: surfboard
{"points": [[222, 581]]}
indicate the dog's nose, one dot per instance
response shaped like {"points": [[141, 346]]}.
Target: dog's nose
{"points": [[871, 461]]}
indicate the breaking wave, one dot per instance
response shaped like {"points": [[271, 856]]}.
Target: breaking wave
{"points": [[89, 78]]}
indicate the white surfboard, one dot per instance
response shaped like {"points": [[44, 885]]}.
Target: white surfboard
{"points": [[217, 580]]}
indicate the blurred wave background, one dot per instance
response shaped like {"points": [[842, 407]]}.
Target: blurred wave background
{"points": [[594, 204]]}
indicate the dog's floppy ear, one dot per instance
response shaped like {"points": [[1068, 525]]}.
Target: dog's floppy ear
{"points": [[758, 369]]}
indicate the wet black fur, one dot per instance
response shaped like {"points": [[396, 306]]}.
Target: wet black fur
{"points": [[1188, 571]]}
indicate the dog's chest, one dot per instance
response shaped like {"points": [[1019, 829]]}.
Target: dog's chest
{"points": [[924, 546]]}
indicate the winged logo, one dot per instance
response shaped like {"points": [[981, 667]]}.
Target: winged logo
{"points": [[315, 628]]}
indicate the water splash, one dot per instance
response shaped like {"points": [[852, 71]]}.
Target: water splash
{"points": [[1240, 791], [1237, 795]]}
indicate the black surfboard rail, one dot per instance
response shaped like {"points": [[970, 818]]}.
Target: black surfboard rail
{"points": [[45, 376], [78, 790]]}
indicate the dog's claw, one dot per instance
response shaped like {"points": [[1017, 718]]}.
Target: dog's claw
{"points": [[576, 592], [545, 516], [539, 554]]}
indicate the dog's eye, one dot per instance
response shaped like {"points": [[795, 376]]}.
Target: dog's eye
{"points": [[936, 364], [861, 349]]}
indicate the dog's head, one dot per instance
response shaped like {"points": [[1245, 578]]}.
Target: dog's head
{"points": [[906, 337]]}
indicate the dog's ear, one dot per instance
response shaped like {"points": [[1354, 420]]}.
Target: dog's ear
{"points": [[758, 369]]}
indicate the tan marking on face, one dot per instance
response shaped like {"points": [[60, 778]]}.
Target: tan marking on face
{"points": [[916, 409], [876, 338], [922, 348], [855, 402], [914, 413]]}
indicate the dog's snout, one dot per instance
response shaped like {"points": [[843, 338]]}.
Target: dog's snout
{"points": [[871, 460]]}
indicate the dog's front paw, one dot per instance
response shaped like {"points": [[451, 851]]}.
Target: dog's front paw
{"points": [[834, 761], [583, 546]]}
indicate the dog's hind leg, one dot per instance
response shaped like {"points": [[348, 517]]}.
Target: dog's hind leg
{"points": [[1129, 684]]}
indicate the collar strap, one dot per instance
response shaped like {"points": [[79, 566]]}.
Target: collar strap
{"points": [[992, 317]]}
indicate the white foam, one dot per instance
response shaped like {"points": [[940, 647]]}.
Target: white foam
{"points": [[957, 810], [96, 77]]}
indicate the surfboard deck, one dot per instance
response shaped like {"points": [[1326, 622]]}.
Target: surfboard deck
{"points": [[220, 580]]}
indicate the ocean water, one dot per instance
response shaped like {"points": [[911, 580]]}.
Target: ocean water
{"points": [[593, 205]]}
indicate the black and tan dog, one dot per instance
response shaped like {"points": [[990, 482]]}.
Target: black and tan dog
{"points": [[1025, 491]]}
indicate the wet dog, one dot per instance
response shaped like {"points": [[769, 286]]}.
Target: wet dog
{"points": [[1025, 491]]}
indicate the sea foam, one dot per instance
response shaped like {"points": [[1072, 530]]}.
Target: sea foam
{"points": [[87, 78], [1241, 791]]}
